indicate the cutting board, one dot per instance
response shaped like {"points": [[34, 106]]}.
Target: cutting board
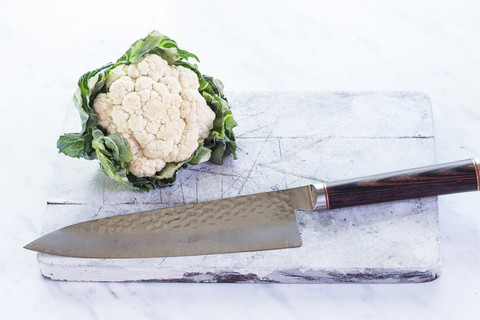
{"points": [[285, 140]]}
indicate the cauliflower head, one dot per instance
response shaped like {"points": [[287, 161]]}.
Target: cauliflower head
{"points": [[160, 112], [150, 114]]}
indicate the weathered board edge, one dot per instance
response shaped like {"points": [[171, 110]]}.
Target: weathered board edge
{"points": [[326, 276]]}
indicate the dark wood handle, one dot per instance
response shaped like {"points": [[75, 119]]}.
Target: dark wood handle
{"points": [[459, 176]]}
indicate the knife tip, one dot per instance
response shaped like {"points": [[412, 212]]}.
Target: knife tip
{"points": [[31, 246]]}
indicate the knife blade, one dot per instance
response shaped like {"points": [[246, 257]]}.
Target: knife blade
{"points": [[247, 223]]}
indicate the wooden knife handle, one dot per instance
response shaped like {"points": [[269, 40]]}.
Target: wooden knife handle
{"points": [[459, 176]]}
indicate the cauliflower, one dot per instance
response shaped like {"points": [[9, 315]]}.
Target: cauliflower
{"points": [[149, 115], [160, 112]]}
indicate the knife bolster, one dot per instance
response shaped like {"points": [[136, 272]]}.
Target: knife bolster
{"points": [[454, 177], [322, 197]]}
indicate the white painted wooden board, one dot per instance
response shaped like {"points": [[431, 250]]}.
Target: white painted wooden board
{"points": [[285, 140]]}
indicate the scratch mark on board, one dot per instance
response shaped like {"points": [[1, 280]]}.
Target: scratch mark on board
{"points": [[258, 155], [196, 188], [285, 172], [98, 212], [215, 173], [231, 185], [256, 129], [221, 184]]}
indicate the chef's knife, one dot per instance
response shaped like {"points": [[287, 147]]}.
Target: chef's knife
{"points": [[246, 223]]}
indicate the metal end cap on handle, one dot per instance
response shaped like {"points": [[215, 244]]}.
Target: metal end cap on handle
{"points": [[476, 163]]}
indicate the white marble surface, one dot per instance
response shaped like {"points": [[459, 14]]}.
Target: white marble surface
{"points": [[429, 46]]}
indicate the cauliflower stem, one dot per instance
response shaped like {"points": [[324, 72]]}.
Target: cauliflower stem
{"points": [[143, 125]]}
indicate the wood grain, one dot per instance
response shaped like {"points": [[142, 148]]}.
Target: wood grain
{"points": [[454, 177]]}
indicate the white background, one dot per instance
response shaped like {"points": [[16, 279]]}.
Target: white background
{"points": [[430, 46]]}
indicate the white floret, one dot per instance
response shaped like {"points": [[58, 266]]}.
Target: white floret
{"points": [[120, 88], [131, 102], [188, 80], [144, 83], [159, 110], [103, 107]]}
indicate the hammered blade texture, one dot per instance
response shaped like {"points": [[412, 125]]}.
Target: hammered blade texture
{"points": [[251, 222]]}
